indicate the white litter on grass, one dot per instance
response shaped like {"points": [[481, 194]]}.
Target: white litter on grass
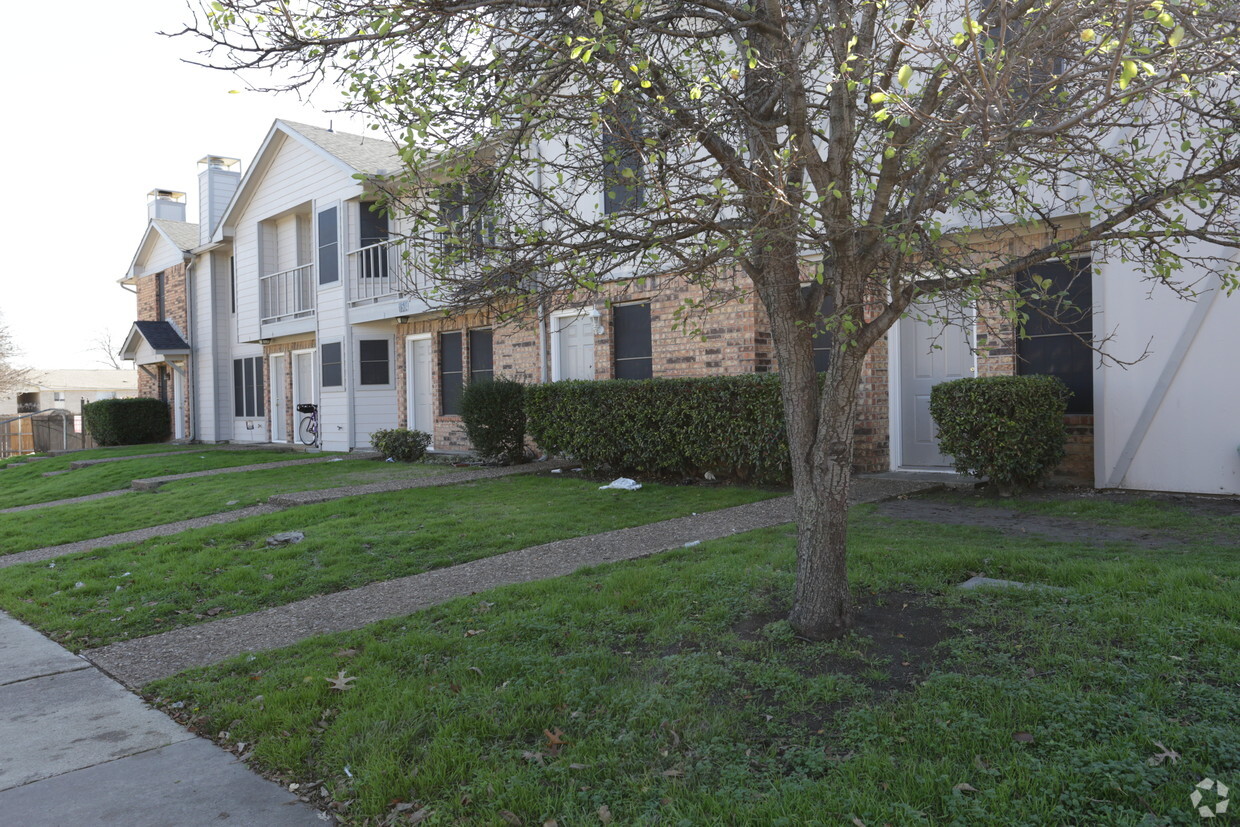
{"points": [[557, 470], [79, 584], [341, 459], [622, 484], [693, 543], [389, 459]]}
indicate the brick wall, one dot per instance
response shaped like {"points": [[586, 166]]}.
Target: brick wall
{"points": [[176, 310], [292, 419]]}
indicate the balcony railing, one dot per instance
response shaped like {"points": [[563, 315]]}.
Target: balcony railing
{"points": [[288, 294], [386, 270]]}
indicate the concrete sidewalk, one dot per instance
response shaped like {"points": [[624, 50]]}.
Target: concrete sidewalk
{"points": [[79, 749]]}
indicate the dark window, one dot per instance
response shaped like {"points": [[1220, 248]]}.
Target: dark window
{"points": [[822, 336], [463, 209], [330, 357], [481, 355], [161, 311], [450, 370], [329, 247], [162, 373], [373, 229], [373, 362], [631, 324], [248, 387], [232, 281], [1059, 303], [622, 162]]}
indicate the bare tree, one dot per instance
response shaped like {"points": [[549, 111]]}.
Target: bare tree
{"points": [[885, 153], [104, 346], [11, 376]]}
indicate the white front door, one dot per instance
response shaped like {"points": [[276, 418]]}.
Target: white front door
{"points": [[418, 397], [178, 400], [279, 410], [574, 347], [931, 351]]}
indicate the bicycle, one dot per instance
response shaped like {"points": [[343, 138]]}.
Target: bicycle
{"points": [[308, 431]]}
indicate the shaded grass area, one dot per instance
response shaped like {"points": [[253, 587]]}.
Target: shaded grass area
{"points": [[164, 583], [27, 485], [659, 690], [186, 499], [1191, 516]]}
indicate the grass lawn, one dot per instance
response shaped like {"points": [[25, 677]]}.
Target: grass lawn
{"points": [[668, 690], [141, 589], [190, 498], [27, 485]]}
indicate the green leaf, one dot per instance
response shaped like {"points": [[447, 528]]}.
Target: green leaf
{"points": [[906, 74], [878, 97], [1177, 34]]}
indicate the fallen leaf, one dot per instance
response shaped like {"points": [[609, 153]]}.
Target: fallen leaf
{"points": [[551, 822], [1163, 755], [213, 612], [345, 653], [604, 814], [965, 788], [476, 669], [511, 818], [857, 822], [578, 766], [555, 740], [672, 773], [341, 683], [420, 816], [1023, 737], [472, 632], [533, 757]]}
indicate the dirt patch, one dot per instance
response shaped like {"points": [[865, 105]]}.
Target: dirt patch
{"points": [[894, 644], [979, 511]]}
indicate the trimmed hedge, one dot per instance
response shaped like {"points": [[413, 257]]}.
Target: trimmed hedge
{"points": [[127, 421], [732, 426], [493, 412], [1008, 428], [401, 444]]}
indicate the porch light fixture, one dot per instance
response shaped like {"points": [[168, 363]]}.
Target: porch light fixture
{"points": [[264, 341], [402, 320]]}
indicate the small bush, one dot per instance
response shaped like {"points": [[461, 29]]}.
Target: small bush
{"points": [[732, 426], [494, 416], [1008, 428], [127, 421], [401, 444]]}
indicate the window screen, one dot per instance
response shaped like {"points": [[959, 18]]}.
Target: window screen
{"points": [[631, 325], [373, 362], [450, 373], [333, 369], [481, 355], [329, 247], [1060, 316], [248, 396]]}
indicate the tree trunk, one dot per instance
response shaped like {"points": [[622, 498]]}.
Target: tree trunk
{"points": [[820, 428]]}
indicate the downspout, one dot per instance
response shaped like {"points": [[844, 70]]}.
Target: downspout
{"points": [[544, 373], [191, 378]]}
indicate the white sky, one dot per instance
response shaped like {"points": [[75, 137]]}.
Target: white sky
{"points": [[102, 111]]}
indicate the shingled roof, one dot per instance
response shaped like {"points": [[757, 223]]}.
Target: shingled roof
{"points": [[370, 155], [181, 233]]}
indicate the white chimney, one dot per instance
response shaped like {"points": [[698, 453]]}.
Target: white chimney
{"points": [[218, 177], [168, 205]]}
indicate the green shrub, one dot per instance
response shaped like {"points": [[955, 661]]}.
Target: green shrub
{"points": [[732, 426], [401, 444], [494, 416], [127, 421], [1008, 428]]}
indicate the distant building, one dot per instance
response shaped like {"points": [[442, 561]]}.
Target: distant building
{"points": [[67, 389]]}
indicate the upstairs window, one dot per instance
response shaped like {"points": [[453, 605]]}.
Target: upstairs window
{"points": [[464, 210], [329, 245], [1059, 303], [372, 230], [631, 332], [481, 355], [622, 147]]}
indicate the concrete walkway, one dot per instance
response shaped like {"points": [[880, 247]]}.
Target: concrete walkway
{"points": [[276, 503], [79, 749], [138, 662]]}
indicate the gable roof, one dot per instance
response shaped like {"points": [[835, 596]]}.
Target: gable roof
{"points": [[351, 154], [364, 154], [180, 234], [162, 338], [85, 379]]}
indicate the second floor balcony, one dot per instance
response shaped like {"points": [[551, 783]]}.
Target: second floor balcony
{"points": [[288, 294], [386, 270]]}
